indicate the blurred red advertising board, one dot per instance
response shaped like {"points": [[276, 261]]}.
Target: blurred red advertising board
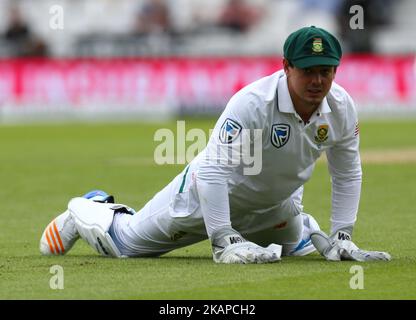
{"points": [[374, 82]]}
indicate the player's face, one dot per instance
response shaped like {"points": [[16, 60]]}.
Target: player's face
{"points": [[310, 85]]}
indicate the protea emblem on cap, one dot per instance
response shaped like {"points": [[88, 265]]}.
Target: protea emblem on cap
{"points": [[317, 46]]}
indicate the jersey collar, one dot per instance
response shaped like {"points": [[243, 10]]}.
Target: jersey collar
{"points": [[284, 102]]}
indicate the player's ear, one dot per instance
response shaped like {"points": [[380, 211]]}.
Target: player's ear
{"points": [[286, 65]]}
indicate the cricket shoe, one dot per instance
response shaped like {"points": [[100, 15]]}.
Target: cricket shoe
{"points": [[61, 233], [59, 236], [305, 246]]}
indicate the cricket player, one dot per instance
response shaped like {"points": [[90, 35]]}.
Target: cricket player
{"points": [[289, 119]]}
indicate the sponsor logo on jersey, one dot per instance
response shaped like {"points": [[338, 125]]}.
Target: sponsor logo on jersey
{"points": [[229, 131], [280, 134], [317, 46], [321, 133]]}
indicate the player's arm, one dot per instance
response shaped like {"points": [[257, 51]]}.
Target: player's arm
{"points": [[346, 176], [223, 156], [344, 166]]}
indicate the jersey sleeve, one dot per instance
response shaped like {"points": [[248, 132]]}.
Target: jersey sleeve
{"points": [[344, 166], [223, 156]]}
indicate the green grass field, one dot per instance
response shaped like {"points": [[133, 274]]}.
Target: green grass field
{"points": [[42, 167]]}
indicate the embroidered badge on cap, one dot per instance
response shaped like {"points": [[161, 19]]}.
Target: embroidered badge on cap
{"points": [[230, 130], [317, 46]]}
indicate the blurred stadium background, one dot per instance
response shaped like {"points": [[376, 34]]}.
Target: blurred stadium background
{"points": [[146, 59]]}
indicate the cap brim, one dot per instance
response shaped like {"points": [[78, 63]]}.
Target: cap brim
{"points": [[315, 61]]}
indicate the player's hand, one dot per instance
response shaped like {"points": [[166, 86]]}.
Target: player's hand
{"points": [[228, 246], [336, 248]]}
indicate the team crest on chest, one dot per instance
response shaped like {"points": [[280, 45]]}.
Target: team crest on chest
{"points": [[229, 131], [321, 133], [280, 134]]}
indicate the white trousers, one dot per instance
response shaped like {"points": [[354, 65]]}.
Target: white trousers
{"points": [[173, 219]]}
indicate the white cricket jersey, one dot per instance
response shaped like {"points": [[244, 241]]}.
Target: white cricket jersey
{"points": [[289, 150]]}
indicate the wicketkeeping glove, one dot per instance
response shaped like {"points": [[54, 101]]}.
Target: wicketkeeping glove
{"points": [[228, 246], [339, 247]]}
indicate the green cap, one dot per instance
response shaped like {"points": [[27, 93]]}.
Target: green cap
{"points": [[311, 46]]}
